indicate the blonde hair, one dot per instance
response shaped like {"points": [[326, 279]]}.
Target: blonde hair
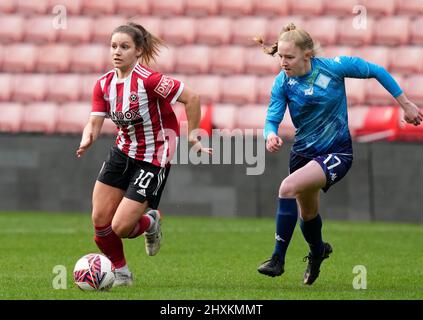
{"points": [[143, 39], [290, 32]]}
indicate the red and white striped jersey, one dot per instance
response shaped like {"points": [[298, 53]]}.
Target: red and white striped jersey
{"points": [[140, 106]]}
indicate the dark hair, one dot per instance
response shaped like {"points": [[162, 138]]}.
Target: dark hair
{"points": [[143, 39]]}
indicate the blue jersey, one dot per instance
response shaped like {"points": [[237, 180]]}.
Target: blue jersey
{"points": [[317, 103]]}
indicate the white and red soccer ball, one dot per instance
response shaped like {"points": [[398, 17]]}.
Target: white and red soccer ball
{"points": [[94, 272]]}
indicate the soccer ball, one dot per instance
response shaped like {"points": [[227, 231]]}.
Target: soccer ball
{"points": [[94, 272]]}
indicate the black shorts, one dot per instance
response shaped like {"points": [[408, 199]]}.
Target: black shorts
{"points": [[334, 165], [141, 180]]}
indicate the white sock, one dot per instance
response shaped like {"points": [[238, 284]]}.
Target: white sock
{"points": [[124, 269]]}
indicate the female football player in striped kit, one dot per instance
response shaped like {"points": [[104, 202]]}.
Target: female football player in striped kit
{"points": [[129, 186], [314, 91]]}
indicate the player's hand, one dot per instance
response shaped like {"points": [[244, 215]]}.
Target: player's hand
{"points": [[86, 142], [273, 142], [412, 113]]}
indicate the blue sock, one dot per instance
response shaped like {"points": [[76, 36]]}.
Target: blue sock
{"points": [[312, 232], [286, 219]]}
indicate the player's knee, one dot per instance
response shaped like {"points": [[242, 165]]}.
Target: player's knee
{"points": [[288, 189], [121, 230]]}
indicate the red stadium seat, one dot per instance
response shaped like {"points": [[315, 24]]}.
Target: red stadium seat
{"points": [[79, 29], [192, 59], [213, 30], [251, 116], [409, 132], [23, 58], [306, 7], [350, 34], [323, 29], [73, 7], [11, 117], [133, 7], [381, 123], [227, 60], [53, 58], [8, 6], [374, 54], [376, 94], [340, 8], [271, 7], [32, 7], [355, 89], [6, 85], [151, 24], [87, 86], [236, 8], [208, 87], [72, 117], [166, 8], [407, 59], [239, 89], [392, 31], [29, 87], [40, 29], [379, 7], [98, 7], [104, 26], [205, 121], [245, 29], [166, 61], [260, 63], [410, 7], [201, 8], [63, 87], [224, 116], [336, 51], [412, 86], [11, 28], [356, 118], [264, 87], [416, 31], [276, 25], [89, 58], [40, 117], [179, 31]]}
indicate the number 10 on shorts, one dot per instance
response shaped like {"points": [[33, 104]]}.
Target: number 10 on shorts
{"points": [[144, 179]]}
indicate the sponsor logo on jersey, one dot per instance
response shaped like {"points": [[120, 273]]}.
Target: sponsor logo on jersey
{"points": [[322, 81], [130, 117], [164, 87]]}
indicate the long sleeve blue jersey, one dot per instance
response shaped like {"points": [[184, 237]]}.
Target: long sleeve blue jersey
{"points": [[317, 103]]}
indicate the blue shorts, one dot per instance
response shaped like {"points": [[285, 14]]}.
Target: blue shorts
{"points": [[334, 165]]}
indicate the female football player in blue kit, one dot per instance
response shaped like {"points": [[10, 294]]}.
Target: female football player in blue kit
{"points": [[314, 91]]}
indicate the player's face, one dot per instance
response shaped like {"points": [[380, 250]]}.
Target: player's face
{"points": [[293, 60], [123, 51]]}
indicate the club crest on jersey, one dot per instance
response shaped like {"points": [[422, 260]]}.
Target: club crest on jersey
{"points": [[164, 87], [133, 97]]}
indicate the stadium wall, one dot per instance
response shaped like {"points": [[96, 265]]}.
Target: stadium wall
{"points": [[42, 173]]}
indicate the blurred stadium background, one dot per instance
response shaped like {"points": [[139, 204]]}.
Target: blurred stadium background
{"points": [[50, 59]]}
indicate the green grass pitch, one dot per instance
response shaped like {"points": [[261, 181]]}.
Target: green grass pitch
{"points": [[212, 258]]}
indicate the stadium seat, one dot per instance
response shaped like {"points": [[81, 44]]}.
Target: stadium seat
{"points": [[349, 34], [339, 8], [236, 8], [79, 30], [29, 87], [8, 6], [374, 54], [89, 58], [11, 117], [2, 54], [271, 7], [412, 86], [323, 29], [259, 63], [40, 29], [306, 7], [227, 60], [166, 8], [87, 86], [73, 7], [416, 31], [72, 117], [192, 59], [264, 87], [179, 31], [32, 7], [379, 7], [355, 89], [103, 27], [53, 58], [11, 28], [22, 60], [381, 123], [275, 26], [405, 60], [392, 31], [409, 132], [205, 121], [207, 86], [336, 51], [165, 62], [410, 7], [133, 7], [98, 7], [376, 94], [214, 30], [251, 116], [40, 117], [152, 24], [239, 89], [223, 116], [246, 28], [6, 85], [356, 118], [63, 87], [201, 8]]}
